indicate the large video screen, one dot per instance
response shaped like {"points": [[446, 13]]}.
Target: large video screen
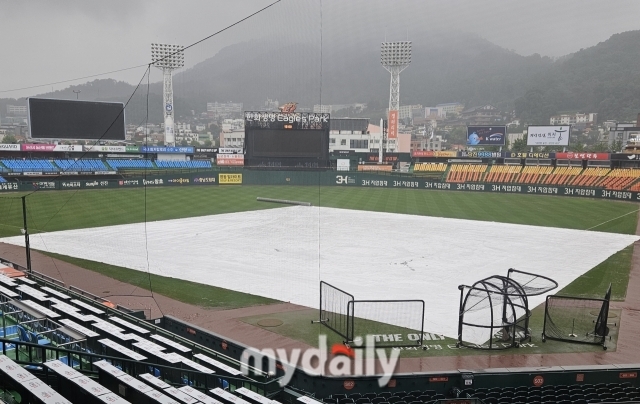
{"points": [[289, 143], [486, 135], [68, 119]]}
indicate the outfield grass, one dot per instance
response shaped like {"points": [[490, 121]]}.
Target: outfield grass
{"points": [[63, 210], [185, 291]]}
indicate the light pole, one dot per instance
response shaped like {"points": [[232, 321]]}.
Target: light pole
{"points": [[25, 231], [168, 58], [77, 92], [394, 57]]}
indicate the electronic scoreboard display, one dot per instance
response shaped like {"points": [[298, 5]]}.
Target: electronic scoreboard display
{"points": [[72, 119], [287, 140]]}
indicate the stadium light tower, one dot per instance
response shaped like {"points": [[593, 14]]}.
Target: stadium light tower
{"points": [[168, 58], [394, 57]]}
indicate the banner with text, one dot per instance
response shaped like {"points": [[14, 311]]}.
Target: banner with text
{"points": [[170, 150], [429, 153], [230, 159], [9, 147], [105, 149], [583, 156], [392, 126], [224, 179], [50, 148], [548, 135]]}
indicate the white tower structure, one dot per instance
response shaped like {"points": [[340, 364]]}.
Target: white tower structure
{"points": [[394, 57], [168, 58]]}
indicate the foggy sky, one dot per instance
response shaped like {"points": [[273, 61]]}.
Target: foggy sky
{"points": [[48, 41]]}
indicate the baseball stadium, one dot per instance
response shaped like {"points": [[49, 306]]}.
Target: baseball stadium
{"points": [[281, 267]]}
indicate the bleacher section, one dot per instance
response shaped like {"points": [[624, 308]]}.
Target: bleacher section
{"points": [[591, 177], [533, 174], [183, 164], [54, 330], [30, 165], [619, 179], [130, 164], [430, 167], [575, 394], [502, 174], [2, 180], [562, 175], [81, 165], [466, 173]]}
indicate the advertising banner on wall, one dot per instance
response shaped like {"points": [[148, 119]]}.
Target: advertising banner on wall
{"points": [[486, 135], [230, 150], [583, 156], [375, 167], [548, 135], [230, 159], [50, 147], [392, 126], [343, 164], [429, 153], [162, 149], [105, 149], [229, 179], [9, 147]]}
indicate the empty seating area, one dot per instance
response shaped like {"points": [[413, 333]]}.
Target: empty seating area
{"points": [[614, 179], [466, 173], [575, 394], [2, 180], [183, 164], [81, 337], [429, 167], [621, 178], [591, 177], [130, 164], [503, 174], [533, 174], [29, 165], [562, 175], [397, 397], [81, 165]]}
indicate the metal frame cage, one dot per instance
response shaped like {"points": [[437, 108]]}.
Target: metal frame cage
{"points": [[338, 311], [494, 312], [579, 320]]}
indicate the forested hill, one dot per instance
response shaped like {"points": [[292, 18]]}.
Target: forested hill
{"points": [[446, 67], [604, 78]]}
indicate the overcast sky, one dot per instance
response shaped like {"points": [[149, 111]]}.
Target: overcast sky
{"points": [[48, 41]]}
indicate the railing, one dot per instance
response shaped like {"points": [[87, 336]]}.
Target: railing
{"points": [[33, 355]]}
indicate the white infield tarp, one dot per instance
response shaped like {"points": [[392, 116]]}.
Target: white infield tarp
{"points": [[283, 253]]}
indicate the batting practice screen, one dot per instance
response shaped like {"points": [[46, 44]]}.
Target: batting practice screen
{"points": [[577, 319], [389, 322], [67, 119], [334, 310]]}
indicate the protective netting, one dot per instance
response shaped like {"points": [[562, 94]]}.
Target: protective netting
{"points": [[334, 310], [532, 284], [577, 319], [494, 314], [11, 218], [391, 323]]}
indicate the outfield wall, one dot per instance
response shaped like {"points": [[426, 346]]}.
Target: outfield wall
{"points": [[314, 178]]}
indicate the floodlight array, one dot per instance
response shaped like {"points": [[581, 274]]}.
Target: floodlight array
{"points": [[395, 53], [167, 56]]}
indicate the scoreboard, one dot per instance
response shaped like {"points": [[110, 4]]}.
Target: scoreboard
{"points": [[288, 140]]}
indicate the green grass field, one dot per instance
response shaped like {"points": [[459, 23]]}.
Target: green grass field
{"points": [[63, 210]]}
